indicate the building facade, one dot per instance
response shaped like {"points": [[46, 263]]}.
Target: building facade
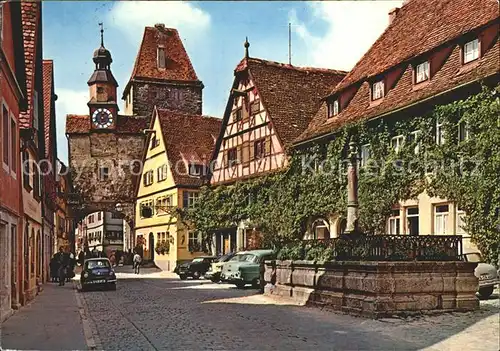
{"points": [[12, 100], [270, 104], [175, 167], [104, 232], [457, 51]]}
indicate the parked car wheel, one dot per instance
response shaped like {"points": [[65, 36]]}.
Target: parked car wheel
{"points": [[196, 275], [256, 283], [486, 292], [240, 285], [183, 277], [215, 279]]}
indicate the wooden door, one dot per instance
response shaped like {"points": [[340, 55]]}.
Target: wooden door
{"points": [[227, 245]]}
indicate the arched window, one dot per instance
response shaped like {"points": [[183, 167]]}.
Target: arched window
{"points": [[320, 229]]}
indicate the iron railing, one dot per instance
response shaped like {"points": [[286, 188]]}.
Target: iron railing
{"points": [[392, 247]]}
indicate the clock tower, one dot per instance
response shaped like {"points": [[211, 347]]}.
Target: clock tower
{"points": [[102, 87]]}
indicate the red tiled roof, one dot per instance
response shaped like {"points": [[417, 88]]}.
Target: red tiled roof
{"points": [[404, 93], [48, 79], [290, 94], [419, 26], [30, 13], [80, 124], [178, 64], [188, 138]]}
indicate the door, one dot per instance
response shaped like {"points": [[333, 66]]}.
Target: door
{"points": [[152, 246], [227, 244]]}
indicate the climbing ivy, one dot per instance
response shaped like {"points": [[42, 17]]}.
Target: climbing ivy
{"points": [[314, 182]]}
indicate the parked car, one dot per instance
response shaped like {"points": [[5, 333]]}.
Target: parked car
{"points": [[485, 272], [215, 268], [97, 272], [245, 268], [196, 268]]}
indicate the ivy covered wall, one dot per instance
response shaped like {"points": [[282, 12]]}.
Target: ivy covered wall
{"points": [[464, 168]]}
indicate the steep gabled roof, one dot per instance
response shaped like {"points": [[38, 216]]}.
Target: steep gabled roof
{"points": [[178, 64], [419, 26], [290, 94], [188, 138], [30, 17], [80, 124], [419, 29], [48, 91]]}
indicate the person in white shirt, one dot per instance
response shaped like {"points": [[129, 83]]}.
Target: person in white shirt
{"points": [[137, 262]]}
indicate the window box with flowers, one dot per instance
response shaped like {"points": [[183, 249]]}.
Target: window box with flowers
{"points": [[162, 248]]}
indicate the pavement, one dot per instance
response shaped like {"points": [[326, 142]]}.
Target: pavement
{"points": [[51, 322], [157, 311]]}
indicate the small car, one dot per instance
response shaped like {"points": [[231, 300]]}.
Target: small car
{"points": [[485, 272], [97, 272], [195, 268], [245, 268], [215, 269]]}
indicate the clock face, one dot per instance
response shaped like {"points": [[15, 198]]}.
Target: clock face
{"points": [[102, 118]]}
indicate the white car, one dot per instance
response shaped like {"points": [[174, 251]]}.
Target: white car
{"points": [[485, 272]]}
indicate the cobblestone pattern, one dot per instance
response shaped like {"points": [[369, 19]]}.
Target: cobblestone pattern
{"points": [[169, 314]]}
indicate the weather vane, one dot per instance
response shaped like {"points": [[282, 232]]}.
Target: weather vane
{"points": [[102, 33]]}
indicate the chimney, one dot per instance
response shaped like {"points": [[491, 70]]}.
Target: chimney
{"points": [[392, 14], [160, 26]]}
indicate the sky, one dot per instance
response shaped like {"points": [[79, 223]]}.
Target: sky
{"points": [[331, 34]]}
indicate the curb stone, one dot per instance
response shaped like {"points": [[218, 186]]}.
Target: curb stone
{"points": [[90, 333]]}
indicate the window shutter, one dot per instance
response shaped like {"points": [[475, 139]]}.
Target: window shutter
{"points": [[268, 145], [185, 199], [246, 152]]}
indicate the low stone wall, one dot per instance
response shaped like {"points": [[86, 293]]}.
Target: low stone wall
{"points": [[376, 289]]}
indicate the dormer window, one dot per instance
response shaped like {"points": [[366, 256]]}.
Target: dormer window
{"points": [[196, 170], [422, 72], [378, 90], [333, 108], [471, 51], [161, 57]]}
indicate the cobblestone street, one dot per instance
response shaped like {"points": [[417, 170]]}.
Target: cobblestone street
{"points": [[159, 311]]}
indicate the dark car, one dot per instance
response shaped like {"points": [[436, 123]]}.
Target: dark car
{"points": [[97, 272], [196, 268]]}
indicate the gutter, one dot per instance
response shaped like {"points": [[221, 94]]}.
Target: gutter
{"points": [[324, 135]]}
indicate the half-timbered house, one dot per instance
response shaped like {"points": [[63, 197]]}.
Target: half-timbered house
{"points": [[270, 105]]}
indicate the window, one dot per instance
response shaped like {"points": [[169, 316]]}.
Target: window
{"points": [[148, 178], [103, 174], [147, 204], [232, 156], [440, 219], [196, 170], [397, 143], [255, 107], [26, 170], [412, 220], [154, 141], [463, 131], [394, 222], [189, 198], [13, 147], [378, 90], [163, 204], [259, 149], [91, 218], [194, 243], [422, 72], [365, 154], [471, 51], [162, 173], [5, 134], [333, 108], [161, 57], [439, 133], [460, 223], [238, 115], [413, 138], [100, 90], [98, 216]]}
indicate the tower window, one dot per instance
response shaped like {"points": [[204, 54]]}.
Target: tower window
{"points": [[100, 90], [103, 173], [422, 72], [161, 57], [471, 51], [378, 90]]}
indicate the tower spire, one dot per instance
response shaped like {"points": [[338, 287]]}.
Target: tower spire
{"points": [[247, 45], [102, 33]]}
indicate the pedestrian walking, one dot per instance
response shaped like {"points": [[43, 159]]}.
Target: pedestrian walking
{"points": [[54, 268], [137, 263], [62, 260]]}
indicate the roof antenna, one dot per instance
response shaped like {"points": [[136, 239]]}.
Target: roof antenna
{"points": [[102, 33], [289, 43], [247, 45]]}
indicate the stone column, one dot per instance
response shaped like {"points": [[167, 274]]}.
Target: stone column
{"points": [[352, 189]]}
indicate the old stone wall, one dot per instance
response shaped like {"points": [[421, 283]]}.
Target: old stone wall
{"points": [[179, 97], [376, 289], [118, 152]]}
